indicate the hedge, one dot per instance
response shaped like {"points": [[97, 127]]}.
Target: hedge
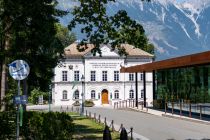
{"points": [[38, 126]]}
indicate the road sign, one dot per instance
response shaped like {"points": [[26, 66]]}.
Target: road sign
{"points": [[19, 69], [20, 99]]}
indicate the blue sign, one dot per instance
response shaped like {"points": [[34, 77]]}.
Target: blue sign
{"points": [[19, 69], [20, 99]]}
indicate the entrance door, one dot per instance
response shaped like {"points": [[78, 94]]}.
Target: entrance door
{"points": [[104, 99]]}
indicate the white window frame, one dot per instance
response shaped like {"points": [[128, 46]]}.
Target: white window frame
{"points": [[65, 75], [76, 97], [131, 94], [104, 75], [76, 75], [93, 94], [92, 75], [131, 76], [116, 94], [116, 75], [65, 95]]}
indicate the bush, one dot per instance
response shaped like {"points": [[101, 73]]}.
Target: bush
{"points": [[89, 103], [158, 104], [52, 125], [38, 126], [76, 103], [7, 125]]}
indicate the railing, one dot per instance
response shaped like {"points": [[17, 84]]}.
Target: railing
{"points": [[131, 103], [187, 106]]}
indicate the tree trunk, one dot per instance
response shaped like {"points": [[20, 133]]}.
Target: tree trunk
{"points": [[4, 73]]}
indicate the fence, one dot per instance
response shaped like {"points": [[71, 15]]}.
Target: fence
{"points": [[187, 107], [131, 103]]}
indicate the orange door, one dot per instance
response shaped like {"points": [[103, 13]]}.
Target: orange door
{"points": [[104, 98]]}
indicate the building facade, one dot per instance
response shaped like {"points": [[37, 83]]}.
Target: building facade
{"points": [[103, 83]]}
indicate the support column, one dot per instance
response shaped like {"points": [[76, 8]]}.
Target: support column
{"points": [[136, 80], [154, 84], [144, 85]]}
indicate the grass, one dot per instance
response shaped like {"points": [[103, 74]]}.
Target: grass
{"points": [[88, 129]]}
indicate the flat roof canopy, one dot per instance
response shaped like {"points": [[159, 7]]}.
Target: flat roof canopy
{"points": [[183, 61]]}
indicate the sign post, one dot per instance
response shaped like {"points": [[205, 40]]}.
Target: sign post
{"points": [[19, 70]]}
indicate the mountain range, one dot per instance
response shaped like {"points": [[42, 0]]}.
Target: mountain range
{"points": [[175, 28]]}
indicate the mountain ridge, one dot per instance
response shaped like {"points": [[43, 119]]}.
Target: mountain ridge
{"points": [[174, 28]]}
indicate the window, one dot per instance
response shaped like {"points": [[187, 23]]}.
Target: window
{"points": [[131, 94], [76, 94], [64, 95], [76, 75], [116, 94], [93, 94], [131, 77], [141, 76], [142, 93], [64, 76], [104, 75], [116, 75], [93, 76]]}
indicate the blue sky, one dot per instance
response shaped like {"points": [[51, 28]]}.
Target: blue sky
{"points": [[180, 0]]}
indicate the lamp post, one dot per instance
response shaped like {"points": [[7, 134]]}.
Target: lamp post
{"points": [[49, 98], [83, 94]]}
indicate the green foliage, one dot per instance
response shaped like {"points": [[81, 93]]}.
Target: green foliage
{"points": [[39, 126], [158, 103], [8, 125], [89, 103], [103, 29], [63, 34], [76, 103], [35, 93]]}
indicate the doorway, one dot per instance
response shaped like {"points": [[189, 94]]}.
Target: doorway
{"points": [[104, 97]]}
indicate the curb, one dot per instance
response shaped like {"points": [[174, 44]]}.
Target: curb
{"points": [[187, 119]]}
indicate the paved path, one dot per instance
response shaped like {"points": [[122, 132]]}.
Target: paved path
{"points": [[156, 127], [149, 126]]}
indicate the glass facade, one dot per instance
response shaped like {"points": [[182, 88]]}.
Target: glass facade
{"points": [[186, 88]]}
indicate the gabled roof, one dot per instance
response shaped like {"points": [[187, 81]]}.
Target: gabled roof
{"points": [[71, 50]]}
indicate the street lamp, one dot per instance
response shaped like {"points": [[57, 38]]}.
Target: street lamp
{"points": [[50, 88], [83, 94]]}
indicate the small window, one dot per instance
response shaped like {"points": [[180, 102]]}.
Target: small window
{"points": [[76, 75], [93, 94], [64, 76], [131, 94], [131, 77], [141, 76], [93, 76], [65, 95], [116, 94], [142, 93], [116, 75], [76, 94], [104, 75]]}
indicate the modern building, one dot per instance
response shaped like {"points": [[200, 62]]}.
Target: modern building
{"points": [[183, 83], [103, 83]]}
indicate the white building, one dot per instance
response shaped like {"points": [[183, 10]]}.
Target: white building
{"points": [[104, 84]]}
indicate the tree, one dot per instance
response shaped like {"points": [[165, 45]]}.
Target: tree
{"points": [[64, 35], [29, 33], [103, 29]]}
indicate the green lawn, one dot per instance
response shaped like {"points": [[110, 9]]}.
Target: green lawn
{"points": [[88, 129]]}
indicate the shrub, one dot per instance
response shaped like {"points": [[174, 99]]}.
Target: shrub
{"points": [[38, 126], [76, 103], [158, 104], [89, 103]]}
